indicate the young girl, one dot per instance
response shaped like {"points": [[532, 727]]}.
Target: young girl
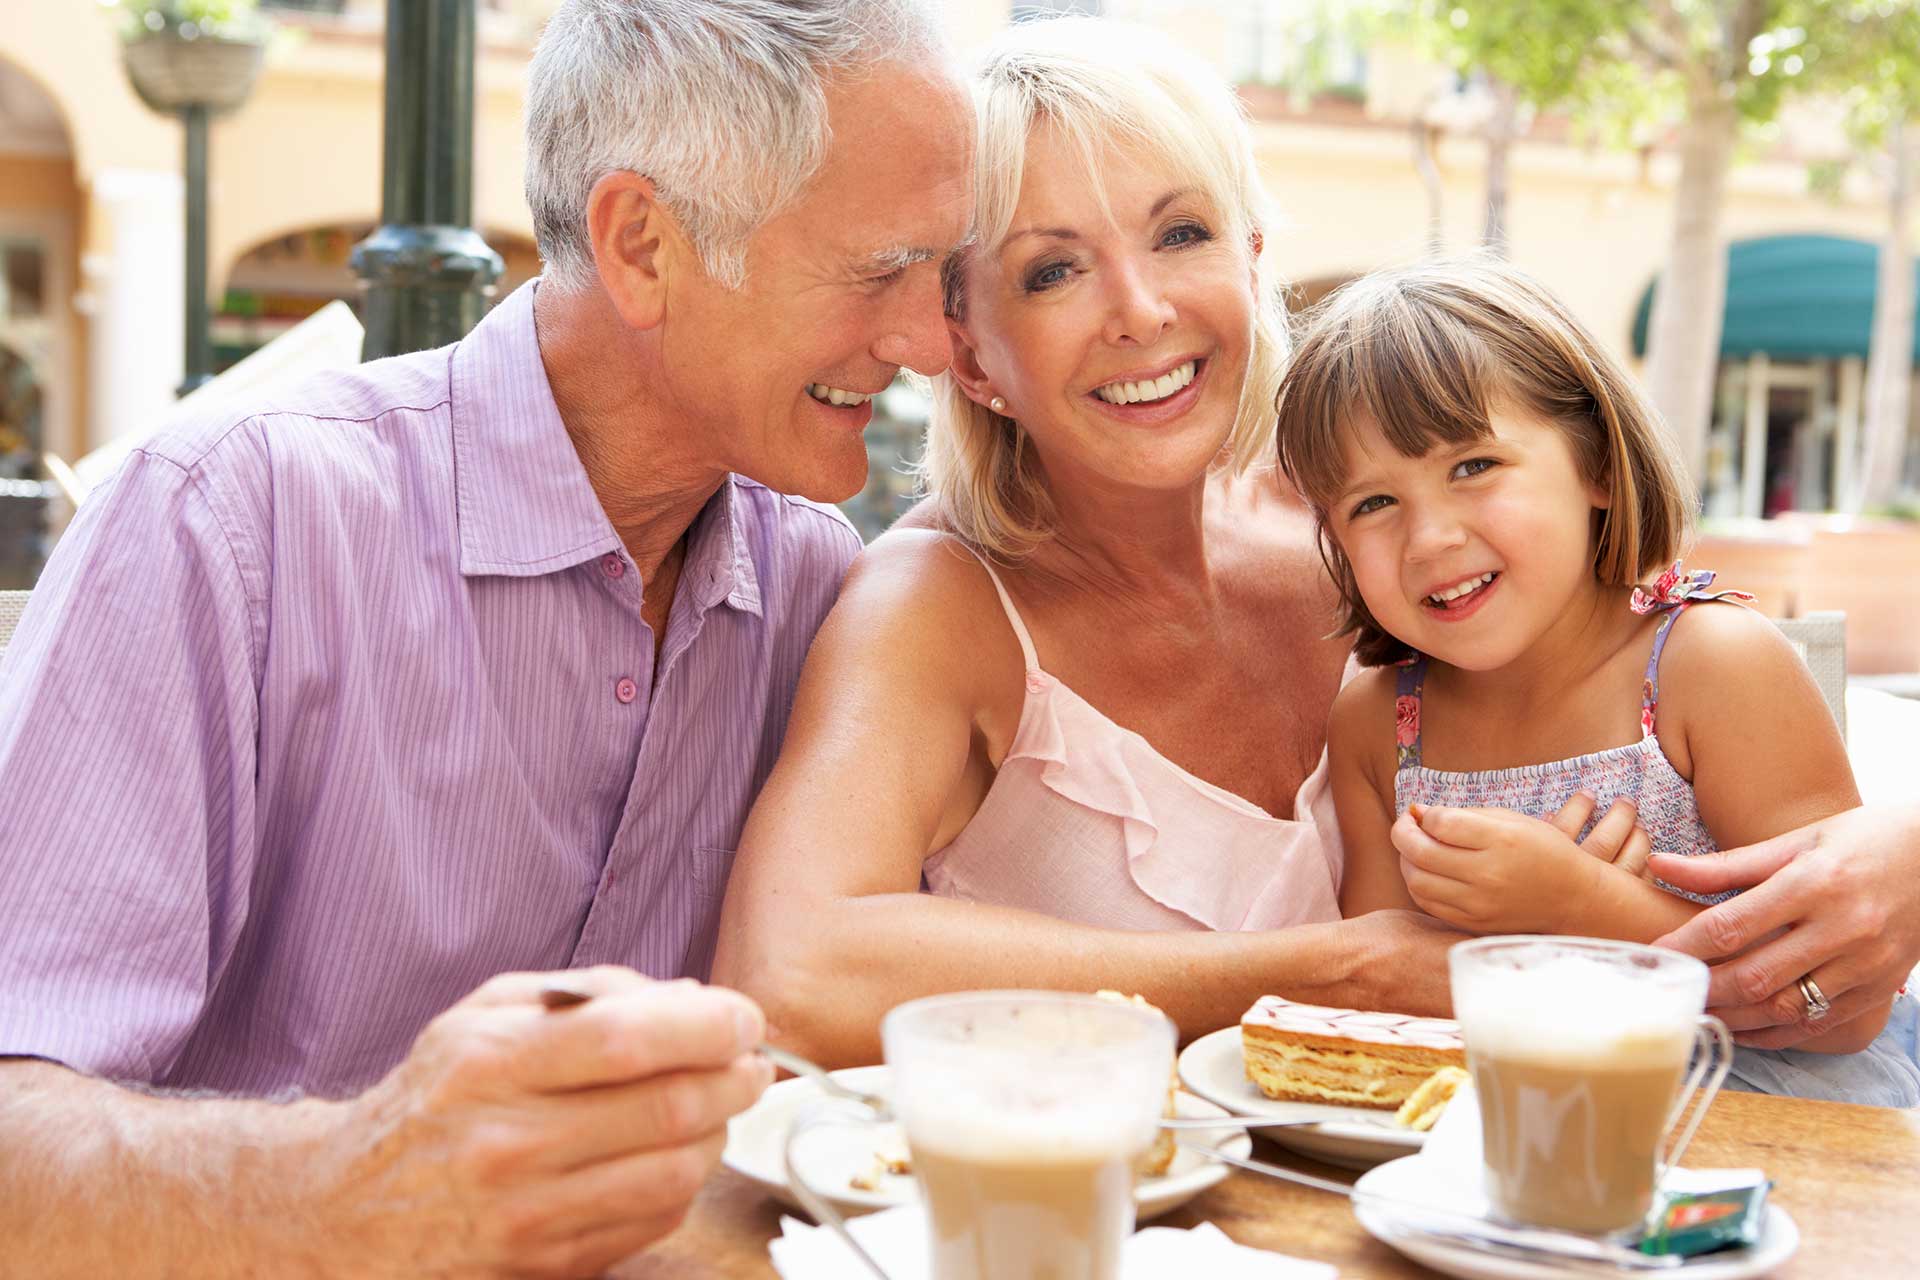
{"points": [[1490, 487]]}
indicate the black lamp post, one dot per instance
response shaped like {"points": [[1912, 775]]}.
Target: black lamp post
{"points": [[180, 69], [427, 271]]}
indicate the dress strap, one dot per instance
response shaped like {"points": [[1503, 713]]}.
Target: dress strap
{"points": [[1672, 593], [1650, 686], [1409, 681], [1013, 614]]}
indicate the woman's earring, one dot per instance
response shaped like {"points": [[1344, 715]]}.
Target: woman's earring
{"points": [[998, 405]]}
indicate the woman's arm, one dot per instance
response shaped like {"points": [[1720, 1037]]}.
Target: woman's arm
{"points": [[1359, 735], [823, 921]]}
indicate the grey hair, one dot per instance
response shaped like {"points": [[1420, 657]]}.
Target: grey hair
{"points": [[721, 103]]}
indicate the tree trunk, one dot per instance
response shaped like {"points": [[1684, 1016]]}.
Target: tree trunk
{"points": [[1683, 336], [1502, 127], [1890, 353], [1425, 136]]}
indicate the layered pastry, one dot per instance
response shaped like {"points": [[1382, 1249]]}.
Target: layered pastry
{"points": [[1347, 1057], [1424, 1105], [1158, 1158]]}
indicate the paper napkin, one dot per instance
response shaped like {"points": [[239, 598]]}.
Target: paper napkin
{"points": [[897, 1240]]}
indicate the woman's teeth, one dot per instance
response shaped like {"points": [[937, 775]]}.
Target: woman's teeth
{"points": [[1153, 389], [1468, 587], [835, 396]]}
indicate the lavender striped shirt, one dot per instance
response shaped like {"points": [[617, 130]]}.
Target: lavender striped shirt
{"points": [[322, 715]]}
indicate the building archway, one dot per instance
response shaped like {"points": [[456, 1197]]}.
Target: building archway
{"points": [[282, 280], [40, 203]]}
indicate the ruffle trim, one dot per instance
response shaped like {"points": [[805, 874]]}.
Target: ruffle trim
{"points": [[1293, 860]]}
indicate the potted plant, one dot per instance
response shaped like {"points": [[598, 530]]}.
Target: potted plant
{"points": [[192, 53]]}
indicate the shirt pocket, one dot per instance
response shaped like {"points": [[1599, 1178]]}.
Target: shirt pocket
{"points": [[707, 873]]}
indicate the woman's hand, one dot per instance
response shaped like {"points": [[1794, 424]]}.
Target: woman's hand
{"points": [[1493, 870], [1838, 901]]}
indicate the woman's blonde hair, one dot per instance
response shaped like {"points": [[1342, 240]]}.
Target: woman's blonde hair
{"points": [[1426, 352], [1098, 84]]}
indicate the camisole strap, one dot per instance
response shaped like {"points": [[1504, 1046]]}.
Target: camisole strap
{"points": [[1013, 614], [1408, 684], [1650, 687], [1672, 593]]}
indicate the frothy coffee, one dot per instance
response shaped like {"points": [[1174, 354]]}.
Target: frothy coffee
{"points": [[1577, 1063], [1025, 1115], [1027, 1214]]}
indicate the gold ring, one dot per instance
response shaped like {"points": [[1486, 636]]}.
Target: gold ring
{"points": [[1817, 1002]]}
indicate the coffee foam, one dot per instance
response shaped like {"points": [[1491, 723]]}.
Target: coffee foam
{"points": [[1055, 1120], [1064, 1136], [1573, 1007]]}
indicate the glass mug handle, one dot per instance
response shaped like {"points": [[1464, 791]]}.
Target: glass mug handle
{"points": [[822, 1115], [1712, 1058]]}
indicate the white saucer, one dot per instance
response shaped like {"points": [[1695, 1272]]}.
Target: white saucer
{"points": [[832, 1155], [1353, 1137], [1427, 1181]]}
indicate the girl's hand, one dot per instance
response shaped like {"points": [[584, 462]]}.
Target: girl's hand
{"points": [[1492, 870], [1617, 838]]}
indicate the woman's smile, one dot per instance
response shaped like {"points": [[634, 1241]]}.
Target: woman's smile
{"points": [[1150, 400]]}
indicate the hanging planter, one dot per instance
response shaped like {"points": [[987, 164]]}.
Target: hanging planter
{"points": [[192, 53]]}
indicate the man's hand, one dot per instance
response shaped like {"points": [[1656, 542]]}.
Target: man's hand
{"points": [[517, 1141], [1492, 870], [1838, 900]]}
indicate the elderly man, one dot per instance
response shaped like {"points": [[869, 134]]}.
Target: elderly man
{"points": [[336, 720]]}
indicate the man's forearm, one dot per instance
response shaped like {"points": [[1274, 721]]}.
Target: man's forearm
{"points": [[826, 987], [96, 1180]]}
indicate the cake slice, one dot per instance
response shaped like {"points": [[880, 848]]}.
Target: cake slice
{"points": [[1423, 1107], [1347, 1057], [1158, 1158]]}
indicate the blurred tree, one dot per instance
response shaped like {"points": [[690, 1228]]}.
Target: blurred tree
{"points": [[1515, 64], [1883, 119], [1704, 68]]}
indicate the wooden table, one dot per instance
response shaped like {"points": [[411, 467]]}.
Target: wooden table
{"points": [[1850, 1176]]}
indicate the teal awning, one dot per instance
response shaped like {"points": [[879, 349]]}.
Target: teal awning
{"points": [[1794, 298]]}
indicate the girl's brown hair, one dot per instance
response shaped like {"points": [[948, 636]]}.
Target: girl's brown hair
{"points": [[1426, 352]]}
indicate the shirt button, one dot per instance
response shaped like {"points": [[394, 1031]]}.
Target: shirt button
{"points": [[612, 565], [626, 690]]}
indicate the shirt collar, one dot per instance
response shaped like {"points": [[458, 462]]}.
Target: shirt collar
{"points": [[521, 497], [719, 552]]}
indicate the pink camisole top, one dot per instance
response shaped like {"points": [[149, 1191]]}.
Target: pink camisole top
{"points": [[1087, 822]]}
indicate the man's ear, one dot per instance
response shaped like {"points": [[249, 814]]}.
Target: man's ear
{"points": [[637, 246], [965, 367]]}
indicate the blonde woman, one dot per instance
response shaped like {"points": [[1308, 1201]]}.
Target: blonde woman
{"points": [[1081, 694]]}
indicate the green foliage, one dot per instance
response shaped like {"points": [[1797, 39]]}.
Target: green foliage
{"points": [[1315, 37], [235, 19], [1623, 66]]}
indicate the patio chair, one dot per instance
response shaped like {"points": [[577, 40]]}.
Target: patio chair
{"points": [[1821, 639]]}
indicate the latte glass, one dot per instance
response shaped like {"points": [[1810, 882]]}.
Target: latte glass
{"points": [[1025, 1112], [1585, 1055]]}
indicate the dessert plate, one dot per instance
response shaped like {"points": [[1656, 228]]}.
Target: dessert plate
{"points": [[832, 1156], [1430, 1182], [1352, 1137]]}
